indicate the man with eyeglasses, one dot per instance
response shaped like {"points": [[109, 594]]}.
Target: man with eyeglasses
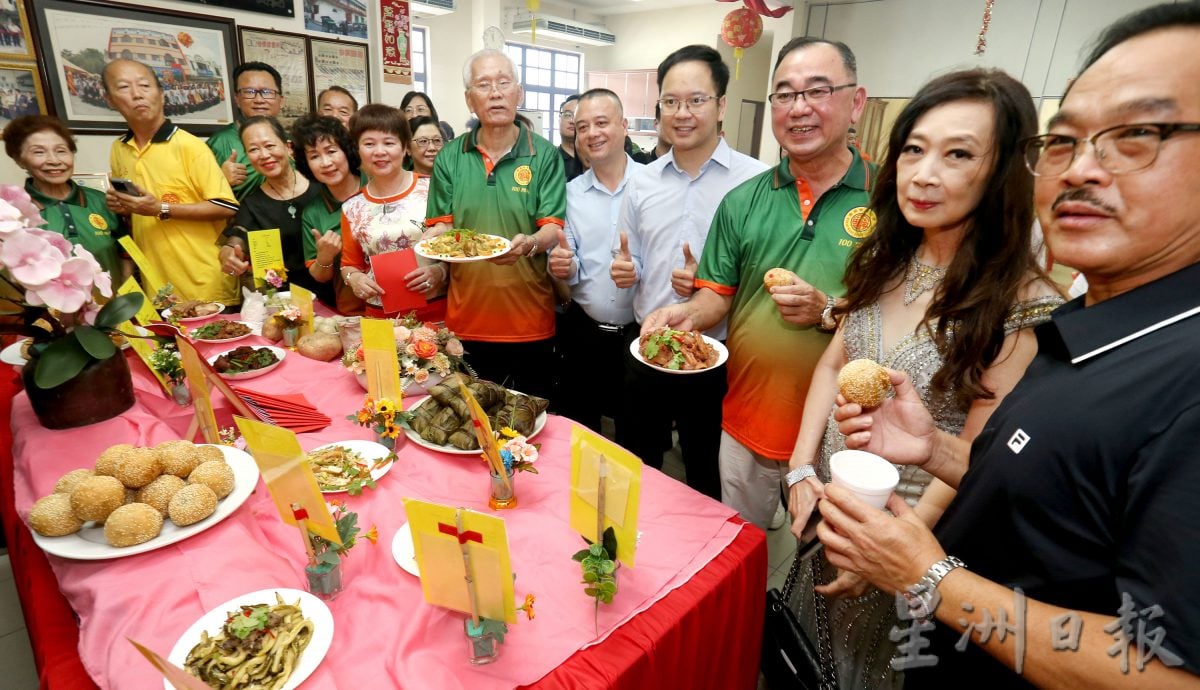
{"points": [[664, 225], [805, 215], [258, 90], [1076, 515], [572, 163], [502, 179]]}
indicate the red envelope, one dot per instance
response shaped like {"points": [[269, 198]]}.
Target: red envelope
{"points": [[390, 270]]}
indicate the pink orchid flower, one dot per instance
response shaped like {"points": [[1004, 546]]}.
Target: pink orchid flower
{"points": [[69, 292], [29, 258], [16, 197]]}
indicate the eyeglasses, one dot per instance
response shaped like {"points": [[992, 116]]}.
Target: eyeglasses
{"points": [[504, 86], [817, 94], [1119, 150], [671, 104], [426, 142], [267, 94], [567, 115]]}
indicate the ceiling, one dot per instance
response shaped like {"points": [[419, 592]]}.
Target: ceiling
{"points": [[627, 6]]}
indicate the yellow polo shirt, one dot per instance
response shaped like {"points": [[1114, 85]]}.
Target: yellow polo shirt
{"points": [[178, 168]]}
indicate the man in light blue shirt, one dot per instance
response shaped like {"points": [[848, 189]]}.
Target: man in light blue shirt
{"points": [[593, 331], [668, 208]]}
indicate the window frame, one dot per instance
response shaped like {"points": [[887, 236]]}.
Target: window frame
{"points": [[421, 81], [556, 93]]}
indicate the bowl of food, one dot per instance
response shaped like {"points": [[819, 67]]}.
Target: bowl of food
{"points": [[192, 310], [678, 352], [246, 362], [220, 331]]}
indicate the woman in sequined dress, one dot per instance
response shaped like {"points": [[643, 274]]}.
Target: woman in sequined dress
{"points": [[947, 290]]}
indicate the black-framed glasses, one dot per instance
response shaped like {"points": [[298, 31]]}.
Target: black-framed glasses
{"points": [[817, 94], [1120, 150], [258, 93], [426, 142], [671, 104]]}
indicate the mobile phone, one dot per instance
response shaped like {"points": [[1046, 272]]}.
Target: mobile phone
{"points": [[124, 186]]}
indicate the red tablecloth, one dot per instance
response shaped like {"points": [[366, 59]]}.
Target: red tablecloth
{"points": [[657, 647]]}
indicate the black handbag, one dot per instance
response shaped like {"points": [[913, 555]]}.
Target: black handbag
{"points": [[789, 659]]}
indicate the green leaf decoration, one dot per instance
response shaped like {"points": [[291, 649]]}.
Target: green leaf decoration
{"points": [[607, 567], [580, 555], [61, 362], [119, 309], [590, 577], [597, 550], [610, 542], [97, 344]]}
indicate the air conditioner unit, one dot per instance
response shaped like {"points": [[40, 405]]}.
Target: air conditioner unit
{"points": [[561, 29], [432, 8]]}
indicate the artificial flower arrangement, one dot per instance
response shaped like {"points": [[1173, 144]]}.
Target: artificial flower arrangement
{"points": [[290, 316], [329, 554], [423, 350], [517, 452], [275, 277], [165, 298], [384, 417], [54, 290]]}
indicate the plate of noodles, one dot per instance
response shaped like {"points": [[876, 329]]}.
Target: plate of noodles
{"points": [[280, 634], [462, 246], [678, 352], [349, 466]]}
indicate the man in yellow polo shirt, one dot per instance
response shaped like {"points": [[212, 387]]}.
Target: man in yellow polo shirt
{"points": [[182, 200]]}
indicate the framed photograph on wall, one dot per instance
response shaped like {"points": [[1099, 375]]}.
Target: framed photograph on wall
{"points": [[287, 53], [191, 54], [20, 91], [16, 41], [338, 17], [338, 63]]}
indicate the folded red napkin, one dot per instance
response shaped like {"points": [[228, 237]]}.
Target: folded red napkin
{"points": [[290, 411]]}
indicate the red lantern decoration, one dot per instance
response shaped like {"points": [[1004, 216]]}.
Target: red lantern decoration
{"points": [[741, 29]]}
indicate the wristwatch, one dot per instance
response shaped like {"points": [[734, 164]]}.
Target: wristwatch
{"points": [[799, 474], [828, 324], [164, 211], [921, 597]]}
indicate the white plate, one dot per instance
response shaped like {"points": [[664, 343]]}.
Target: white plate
{"points": [[422, 249], [370, 452], [722, 355], [404, 551], [88, 544], [247, 334], [12, 354], [280, 353], [313, 608], [191, 319], [538, 425]]}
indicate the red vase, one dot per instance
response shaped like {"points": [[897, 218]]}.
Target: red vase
{"points": [[102, 390]]}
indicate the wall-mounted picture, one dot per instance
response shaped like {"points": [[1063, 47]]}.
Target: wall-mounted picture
{"points": [[337, 63], [15, 39], [287, 53], [190, 54], [20, 91], [280, 8], [341, 17]]}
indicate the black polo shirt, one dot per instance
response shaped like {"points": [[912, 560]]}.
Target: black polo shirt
{"points": [[1085, 482]]}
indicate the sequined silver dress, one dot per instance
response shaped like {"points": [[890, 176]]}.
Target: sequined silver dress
{"points": [[859, 627]]}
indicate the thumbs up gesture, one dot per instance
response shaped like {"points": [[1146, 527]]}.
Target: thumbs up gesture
{"points": [[562, 259], [329, 245], [234, 171], [683, 280], [622, 271]]}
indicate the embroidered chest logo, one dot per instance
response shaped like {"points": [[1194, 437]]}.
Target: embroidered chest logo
{"points": [[859, 222], [97, 221], [523, 175], [170, 198], [1018, 441]]}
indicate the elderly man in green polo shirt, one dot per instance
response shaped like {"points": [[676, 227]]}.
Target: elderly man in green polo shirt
{"points": [[502, 179], [806, 215]]}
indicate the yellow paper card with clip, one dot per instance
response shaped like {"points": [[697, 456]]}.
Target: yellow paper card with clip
{"points": [[594, 457], [441, 534], [146, 314], [143, 349], [381, 365], [177, 677], [288, 476], [266, 251], [303, 299], [153, 281], [197, 380]]}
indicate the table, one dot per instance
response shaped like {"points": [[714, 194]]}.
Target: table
{"points": [[662, 645]]}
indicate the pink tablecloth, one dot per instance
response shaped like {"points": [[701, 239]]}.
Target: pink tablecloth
{"points": [[386, 635]]}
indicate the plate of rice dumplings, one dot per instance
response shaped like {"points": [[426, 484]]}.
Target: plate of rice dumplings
{"points": [[442, 421]]}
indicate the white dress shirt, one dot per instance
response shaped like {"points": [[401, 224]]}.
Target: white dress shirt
{"points": [[591, 229]]}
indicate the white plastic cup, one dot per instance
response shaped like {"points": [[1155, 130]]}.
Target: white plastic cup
{"points": [[868, 476]]}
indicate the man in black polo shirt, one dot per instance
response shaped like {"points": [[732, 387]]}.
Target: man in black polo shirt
{"points": [[1078, 519]]}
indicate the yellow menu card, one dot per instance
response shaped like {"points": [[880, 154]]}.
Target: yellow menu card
{"points": [[143, 349], [303, 299], [197, 379], [266, 251], [152, 280], [146, 314], [379, 355], [595, 459], [288, 476]]}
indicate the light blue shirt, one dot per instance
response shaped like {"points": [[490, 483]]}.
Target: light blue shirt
{"points": [[664, 208], [591, 230]]}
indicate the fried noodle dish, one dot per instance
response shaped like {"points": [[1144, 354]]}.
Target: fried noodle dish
{"points": [[258, 647], [677, 350], [341, 469], [461, 244]]}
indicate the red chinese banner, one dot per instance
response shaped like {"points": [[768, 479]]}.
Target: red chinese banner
{"points": [[397, 60]]}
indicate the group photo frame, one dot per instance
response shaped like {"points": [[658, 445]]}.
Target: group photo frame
{"points": [[16, 41], [21, 91], [192, 55]]}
